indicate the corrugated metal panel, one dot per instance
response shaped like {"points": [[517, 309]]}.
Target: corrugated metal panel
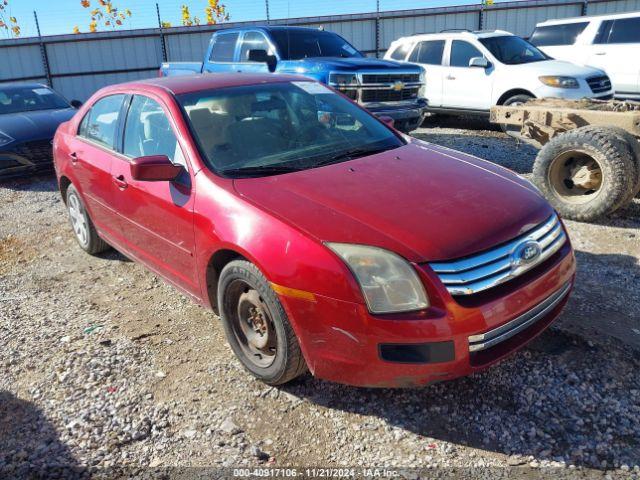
{"points": [[522, 21], [20, 62], [83, 86], [113, 54], [600, 8], [394, 28], [187, 47]]}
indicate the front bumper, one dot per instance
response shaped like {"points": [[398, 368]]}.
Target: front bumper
{"points": [[407, 116], [343, 342]]}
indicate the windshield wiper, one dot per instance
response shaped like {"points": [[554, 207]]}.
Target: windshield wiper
{"points": [[351, 154], [263, 170]]}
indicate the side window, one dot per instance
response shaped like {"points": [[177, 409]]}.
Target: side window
{"points": [[253, 41], [625, 30], [101, 121], [462, 52], [564, 34], [400, 52], [224, 46], [148, 132], [429, 52]]}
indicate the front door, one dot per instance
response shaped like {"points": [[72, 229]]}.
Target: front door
{"points": [[466, 87], [156, 218], [91, 155]]}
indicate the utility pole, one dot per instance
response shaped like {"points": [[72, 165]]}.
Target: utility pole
{"points": [[43, 52], [163, 43], [377, 28]]}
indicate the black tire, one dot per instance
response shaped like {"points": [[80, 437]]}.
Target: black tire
{"points": [[613, 156], [634, 146], [90, 241], [514, 100], [287, 361]]}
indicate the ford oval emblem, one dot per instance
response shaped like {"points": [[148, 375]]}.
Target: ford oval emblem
{"points": [[525, 253]]}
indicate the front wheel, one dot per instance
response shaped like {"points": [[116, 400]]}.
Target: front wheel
{"points": [[256, 325]]}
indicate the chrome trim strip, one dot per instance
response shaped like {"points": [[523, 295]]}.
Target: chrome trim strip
{"points": [[493, 267], [515, 326]]}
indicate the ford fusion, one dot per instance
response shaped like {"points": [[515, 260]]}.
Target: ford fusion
{"points": [[29, 116], [325, 240]]}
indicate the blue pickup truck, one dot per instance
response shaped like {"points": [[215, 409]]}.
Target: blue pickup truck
{"points": [[385, 88]]}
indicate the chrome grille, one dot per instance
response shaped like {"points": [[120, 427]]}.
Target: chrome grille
{"points": [[390, 78], [379, 87], [515, 326], [492, 267], [389, 95], [599, 84]]}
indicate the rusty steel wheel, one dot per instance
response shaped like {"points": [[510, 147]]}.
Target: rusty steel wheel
{"points": [[253, 327], [576, 176]]}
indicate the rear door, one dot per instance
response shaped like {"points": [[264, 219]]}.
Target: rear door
{"points": [[253, 40], [429, 54], [222, 53], [92, 152], [156, 218], [466, 87], [616, 50]]}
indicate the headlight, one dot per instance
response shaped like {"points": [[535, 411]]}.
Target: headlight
{"points": [[343, 79], [388, 282], [5, 139], [559, 82]]}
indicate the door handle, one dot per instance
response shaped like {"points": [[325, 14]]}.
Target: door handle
{"points": [[450, 77], [120, 182], [74, 158], [601, 53]]}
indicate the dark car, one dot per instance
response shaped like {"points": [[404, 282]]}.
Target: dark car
{"points": [[29, 116]]}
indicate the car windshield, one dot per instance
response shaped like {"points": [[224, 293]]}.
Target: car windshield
{"points": [[298, 44], [16, 99], [512, 50], [260, 130]]}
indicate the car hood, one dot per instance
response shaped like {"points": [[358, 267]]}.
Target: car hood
{"points": [[38, 125], [349, 64], [558, 67], [421, 201]]}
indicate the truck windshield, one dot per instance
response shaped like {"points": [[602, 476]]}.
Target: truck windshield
{"points": [[298, 44], [16, 99], [260, 130], [512, 50]]}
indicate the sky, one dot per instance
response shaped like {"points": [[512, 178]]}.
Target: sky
{"points": [[61, 16]]}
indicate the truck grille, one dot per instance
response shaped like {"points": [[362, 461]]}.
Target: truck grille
{"points": [[390, 78], [36, 152], [506, 331], [374, 87], [492, 267], [389, 95], [599, 84]]}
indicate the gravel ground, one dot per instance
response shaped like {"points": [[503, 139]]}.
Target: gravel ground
{"points": [[107, 368]]}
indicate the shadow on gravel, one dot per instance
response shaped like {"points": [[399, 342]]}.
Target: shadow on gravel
{"points": [[559, 399], [37, 183], [458, 121], [29, 445]]}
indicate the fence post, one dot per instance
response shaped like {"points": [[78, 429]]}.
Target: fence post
{"points": [[481, 16], [266, 5], [163, 43], [43, 52], [377, 28], [585, 8]]}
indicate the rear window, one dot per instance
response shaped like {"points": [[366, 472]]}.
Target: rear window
{"points": [[429, 53], [224, 47], [564, 34], [623, 30]]}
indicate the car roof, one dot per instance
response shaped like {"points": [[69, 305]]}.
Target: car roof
{"points": [[180, 84], [270, 28], [587, 18], [456, 34]]}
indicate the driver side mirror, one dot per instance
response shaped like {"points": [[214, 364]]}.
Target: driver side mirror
{"points": [[479, 62], [387, 120], [76, 104], [154, 168], [262, 56]]}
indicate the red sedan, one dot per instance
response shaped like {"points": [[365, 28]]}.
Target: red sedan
{"points": [[325, 239]]}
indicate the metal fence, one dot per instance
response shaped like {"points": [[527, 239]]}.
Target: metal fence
{"points": [[78, 65]]}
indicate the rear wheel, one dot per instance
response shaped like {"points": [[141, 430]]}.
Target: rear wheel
{"points": [[256, 325], [586, 173], [83, 227]]}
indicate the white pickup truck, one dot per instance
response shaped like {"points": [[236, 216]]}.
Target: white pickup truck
{"points": [[470, 72], [609, 42]]}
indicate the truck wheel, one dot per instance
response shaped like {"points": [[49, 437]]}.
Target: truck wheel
{"points": [[634, 145], [514, 101], [85, 232], [585, 173], [256, 325]]}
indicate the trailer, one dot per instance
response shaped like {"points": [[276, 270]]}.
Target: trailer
{"points": [[588, 165]]}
